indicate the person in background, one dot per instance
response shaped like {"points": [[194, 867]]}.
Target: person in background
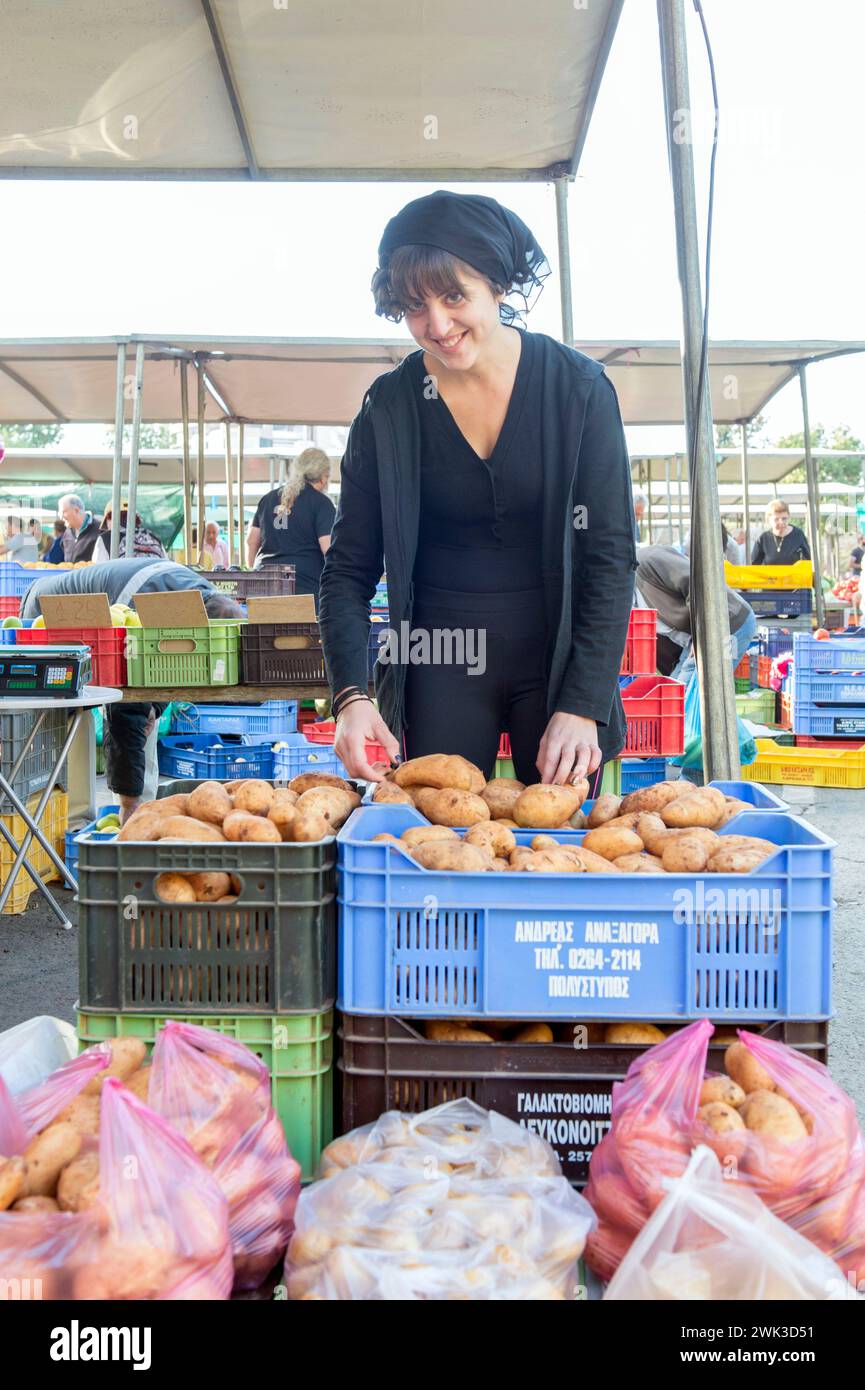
{"points": [[292, 524], [144, 542], [663, 582], [781, 543], [856, 554], [729, 549], [214, 553], [20, 545], [82, 529], [42, 539], [639, 512], [128, 726], [54, 555]]}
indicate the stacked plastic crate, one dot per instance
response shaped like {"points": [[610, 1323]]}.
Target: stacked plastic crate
{"points": [[774, 591]]}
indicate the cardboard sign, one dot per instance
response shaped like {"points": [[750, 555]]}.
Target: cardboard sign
{"points": [[179, 608], [62, 611], [294, 608]]}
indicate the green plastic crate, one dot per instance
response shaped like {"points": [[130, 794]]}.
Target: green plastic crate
{"points": [[505, 767], [757, 705], [297, 1050], [212, 659], [743, 684], [611, 781]]}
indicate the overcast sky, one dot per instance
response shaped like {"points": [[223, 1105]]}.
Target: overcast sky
{"points": [[284, 259]]}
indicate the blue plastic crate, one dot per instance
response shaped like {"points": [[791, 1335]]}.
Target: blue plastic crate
{"points": [[778, 603], [70, 853], [758, 796], [212, 756], [7, 634], [273, 719], [417, 943], [380, 598], [15, 580], [829, 721], [299, 755], [838, 653], [642, 772], [774, 641]]}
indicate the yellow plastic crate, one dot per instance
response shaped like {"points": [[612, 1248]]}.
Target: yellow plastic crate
{"points": [[798, 576], [53, 826], [808, 767]]}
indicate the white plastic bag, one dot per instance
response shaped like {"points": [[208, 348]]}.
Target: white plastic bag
{"points": [[712, 1239], [33, 1050]]}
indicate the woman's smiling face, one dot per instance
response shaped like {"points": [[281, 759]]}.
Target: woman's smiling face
{"points": [[455, 327]]}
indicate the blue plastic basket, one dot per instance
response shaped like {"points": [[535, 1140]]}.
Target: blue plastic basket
{"points": [[642, 772], [758, 796], [837, 653], [212, 756], [15, 580], [778, 603], [774, 641], [7, 634], [417, 943], [380, 599], [273, 719], [70, 853], [829, 721], [302, 756]]}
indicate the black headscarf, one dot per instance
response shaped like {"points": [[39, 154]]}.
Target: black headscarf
{"points": [[478, 230]]}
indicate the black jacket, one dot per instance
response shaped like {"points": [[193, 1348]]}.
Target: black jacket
{"points": [[793, 547], [587, 532]]}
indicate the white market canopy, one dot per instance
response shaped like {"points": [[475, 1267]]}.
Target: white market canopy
{"points": [[321, 381], [271, 89], [764, 466], [23, 468]]}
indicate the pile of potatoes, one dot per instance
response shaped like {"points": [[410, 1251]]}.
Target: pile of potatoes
{"points": [[312, 807], [451, 791], [591, 1034], [747, 1098]]}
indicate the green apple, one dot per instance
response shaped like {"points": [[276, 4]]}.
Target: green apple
{"points": [[111, 822], [12, 622]]}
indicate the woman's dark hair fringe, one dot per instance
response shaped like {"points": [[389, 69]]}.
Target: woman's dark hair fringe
{"points": [[416, 272]]}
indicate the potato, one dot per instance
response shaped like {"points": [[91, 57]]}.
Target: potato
{"points": [[254, 796], [188, 828], [650, 829], [508, 824], [35, 1204], [687, 855], [331, 802], [645, 1033], [561, 860], [702, 807], [745, 1070], [639, 864], [142, 825], [610, 844], [720, 1117], [626, 822], [520, 857], [307, 780], [177, 805], [139, 1082], [283, 815], [452, 807], [12, 1181], [578, 821], [768, 1114], [594, 863], [655, 798], [310, 827], [736, 861], [422, 834], [243, 827], [733, 806], [746, 842], [443, 1030], [545, 806], [173, 888], [82, 1114], [477, 780], [447, 857], [544, 842], [533, 1033], [604, 809], [498, 838], [209, 887], [499, 866], [386, 793], [437, 770], [284, 796], [500, 794], [127, 1055], [46, 1156], [210, 802], [229, 898], [721, 1088], [78, 1185]]}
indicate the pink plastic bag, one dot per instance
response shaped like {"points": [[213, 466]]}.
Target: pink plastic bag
{"points": [[217, 1094], [815, 1183], [157, 1230], [24, 1116]]}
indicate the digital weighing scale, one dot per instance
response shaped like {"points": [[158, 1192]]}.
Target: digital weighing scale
{"points": [[61, 670]]}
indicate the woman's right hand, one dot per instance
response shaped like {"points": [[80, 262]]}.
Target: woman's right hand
{"points": [[359, 724]]}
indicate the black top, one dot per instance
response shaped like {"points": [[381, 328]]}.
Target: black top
{"points": [[856, 555], [293, 539], [480, 519], [793, 547]]}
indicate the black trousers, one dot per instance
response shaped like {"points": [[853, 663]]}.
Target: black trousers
{"points": [[124, 734], [487, 678]]}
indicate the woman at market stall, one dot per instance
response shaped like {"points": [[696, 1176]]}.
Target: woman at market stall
{"points": [[292, 524], [214, 553], [489, 474], [780, 543], [144, 541]]}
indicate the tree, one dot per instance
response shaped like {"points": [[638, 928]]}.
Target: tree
{"points": [[150, 437], [730, 436], [29, 436], [828, 470]]}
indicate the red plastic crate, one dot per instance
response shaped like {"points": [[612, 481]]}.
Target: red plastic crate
{"points": [[107, 648], [305, 716], [785, 713], [640, 654], [655, 711], [832, 745], [743, 670], [324, 732], [505, 746], [764, 672], [10, 606]]}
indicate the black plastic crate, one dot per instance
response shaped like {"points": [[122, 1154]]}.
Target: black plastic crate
{"points": [[561, 1090], [271, 581], [273, 951], [778, 603], [39, 761], [282, 653]]}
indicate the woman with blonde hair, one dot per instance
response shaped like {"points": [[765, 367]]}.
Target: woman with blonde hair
{"points": [[780, 543], [292, 524]]}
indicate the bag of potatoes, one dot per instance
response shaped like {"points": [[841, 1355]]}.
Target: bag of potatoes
{"points": [[775, 1119]]}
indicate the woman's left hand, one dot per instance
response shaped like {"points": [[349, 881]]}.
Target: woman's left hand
{"points": [[569, 749]]}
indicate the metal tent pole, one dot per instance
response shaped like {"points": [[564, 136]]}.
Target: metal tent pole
{"points": [[561, 184], [679, 485], [813, 502], [201, 479], [188, 554], [710, 620], [132, 495], [229, 496], [669, 497], [117, 475], [241, 510], [649, 499], [746, 501]]}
